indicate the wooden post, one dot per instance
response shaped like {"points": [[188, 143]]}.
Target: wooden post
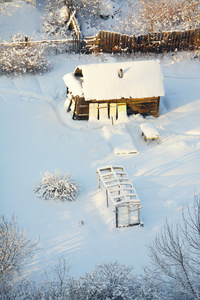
{"points": [[107, 198], [104, 41], [138, 209], [98, 183], [122, 42], [113, 41], [116, 213], [196, 39], [157, 107], [129, 210]]}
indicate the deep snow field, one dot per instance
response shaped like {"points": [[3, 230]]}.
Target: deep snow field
{"points": [[38, 135]]}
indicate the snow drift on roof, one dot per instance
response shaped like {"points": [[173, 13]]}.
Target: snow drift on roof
{"points": [[101, 81], [73, 83]]}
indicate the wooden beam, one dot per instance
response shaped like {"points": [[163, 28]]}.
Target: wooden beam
{"points": [[107, 198], [116, 214], [98, 183]]}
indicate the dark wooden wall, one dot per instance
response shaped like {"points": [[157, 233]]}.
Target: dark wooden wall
{"points": [[81, 108], [145, 106]]}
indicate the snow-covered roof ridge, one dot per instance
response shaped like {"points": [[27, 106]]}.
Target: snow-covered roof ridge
{"points": [[73, 83], [141, 79]]}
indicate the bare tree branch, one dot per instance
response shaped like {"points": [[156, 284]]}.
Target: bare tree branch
{"points": [[16, 248], [175, 252]]}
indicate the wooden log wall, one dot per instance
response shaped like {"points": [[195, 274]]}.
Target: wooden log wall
{"points": [[112, 42], [143, 106]]}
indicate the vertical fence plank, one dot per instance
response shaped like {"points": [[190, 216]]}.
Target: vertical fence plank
{"points": [[117, 47], [101, 41], [113, 41]]}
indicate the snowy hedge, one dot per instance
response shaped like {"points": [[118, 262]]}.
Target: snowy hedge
{"points": [[59, 187], [18, 58]]}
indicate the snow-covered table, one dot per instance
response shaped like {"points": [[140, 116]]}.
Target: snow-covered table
{"points": [[150, 132]]}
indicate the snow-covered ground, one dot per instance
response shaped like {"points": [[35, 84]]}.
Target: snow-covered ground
{"points": [[19, 17], [38, 135]]}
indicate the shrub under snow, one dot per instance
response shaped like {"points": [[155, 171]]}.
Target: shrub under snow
{"points": [[59, 186], [19, 57]]}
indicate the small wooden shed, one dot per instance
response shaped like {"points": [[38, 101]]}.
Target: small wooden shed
{"points": [[97, 90]]}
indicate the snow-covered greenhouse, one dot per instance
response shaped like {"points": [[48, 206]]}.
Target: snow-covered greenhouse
{"points": [[121, 192]]}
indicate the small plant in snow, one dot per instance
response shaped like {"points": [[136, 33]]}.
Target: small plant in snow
{"points": [[59, 186]]}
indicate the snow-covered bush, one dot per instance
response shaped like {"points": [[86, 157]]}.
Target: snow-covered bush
{"points": [[19, 290], [59, 186], [20, 57], [56, 19], [110, 280]]}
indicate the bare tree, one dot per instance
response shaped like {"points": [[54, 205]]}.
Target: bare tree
{"points": [[56, 18], [162, 15], [16, 248], [190, 14], [145, 16], [175, 252], [55, 282], [111, 281]]}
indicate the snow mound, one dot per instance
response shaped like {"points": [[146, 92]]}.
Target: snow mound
{"points": [[149, 130], [119, 139]]}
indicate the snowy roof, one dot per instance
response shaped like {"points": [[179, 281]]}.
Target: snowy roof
{"points": [[101, 81]]}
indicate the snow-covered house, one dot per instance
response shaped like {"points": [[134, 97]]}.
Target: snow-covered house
{"points": [[103, 90]]}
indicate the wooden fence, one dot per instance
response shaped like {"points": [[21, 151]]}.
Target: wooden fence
{"points": [[49, 46], [73, 25], [111, 42]]}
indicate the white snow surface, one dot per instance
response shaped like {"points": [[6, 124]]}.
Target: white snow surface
{"points": [[20, 17], [37, 135], [101, 81]]}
